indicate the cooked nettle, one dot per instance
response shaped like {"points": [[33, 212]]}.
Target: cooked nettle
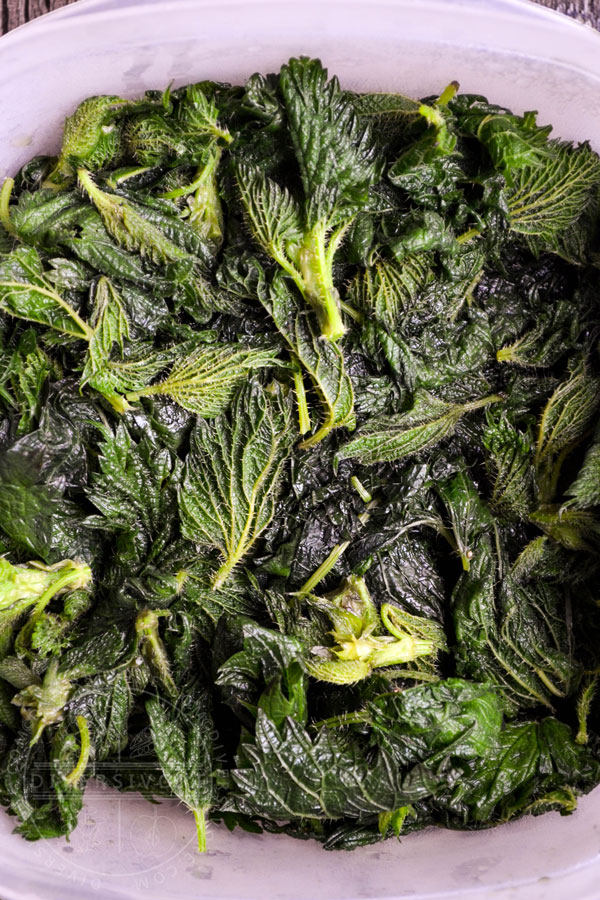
{"points": [[300, 461]]}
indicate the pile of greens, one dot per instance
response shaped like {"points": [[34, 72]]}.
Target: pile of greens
{"points": [[300, 462]]}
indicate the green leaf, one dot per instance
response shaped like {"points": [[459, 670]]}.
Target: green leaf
{"points": [[547, 198], [334, 149], [273, 214], [23, 380], [509, 461], [135, 491], [97, 249], [468, 515], [43, 217], [534, 768], [389, 288], [513, 142], [428, 422], [90, 137], [207, 606], [183, 744], [513, 634], [585, 490], [267, 674], [205, 381], [233, 474], [434, 723], [286, 773], [125, 223], [26, 293], [337, 161], [567, 414], [322, 360]]}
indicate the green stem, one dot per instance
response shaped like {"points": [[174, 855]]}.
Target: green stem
{"points": [[5, 195], [467, 235], [186, 188], [447, 94], [360, 489], [350, 311], [146, 626], [485, 401], [303, 413], [200, 817], [359, 717], [115, 180], [317, 277], [84, 752], [584, 704], [324, 569], [328, 563]]}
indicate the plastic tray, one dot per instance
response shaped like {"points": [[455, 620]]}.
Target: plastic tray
{"points": [[518, 54]]}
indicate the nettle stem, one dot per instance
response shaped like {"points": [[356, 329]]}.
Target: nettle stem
{"points": [[5, 195], [200, 818], [146, 626], [330, 561], [315, 266], [303, 413], [85, 746]]}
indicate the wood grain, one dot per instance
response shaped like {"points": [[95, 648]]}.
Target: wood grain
{"points": [[16, 12], [587, 11]]}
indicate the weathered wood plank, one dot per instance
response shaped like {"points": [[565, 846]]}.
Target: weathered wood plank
{"points": [[16, 12], [585, 10]]}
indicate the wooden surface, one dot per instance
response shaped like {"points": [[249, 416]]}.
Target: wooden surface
{"points": [[15, 12]]}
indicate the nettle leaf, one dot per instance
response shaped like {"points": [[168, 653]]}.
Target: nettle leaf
{"points": [[547, 198], [111, 366], [388, 288], [509, 460], [207, 606], [540, 347], [382, 108], [122, 374], [182, 741], [109, 320], [274, 215], [437, 723], [267, 674], [205, 381], [125, 223], [26, 293], [568, 413], [585, 490], [467, 514], [515, 635], [513, 142], [41, 218], [428, 422], [96, 248], [567, 416], [338, 163], [285, 774], [135, 491], [335, 150], [23, 379], [323, 361], [90, 137], [536, 767], [233, 474]]}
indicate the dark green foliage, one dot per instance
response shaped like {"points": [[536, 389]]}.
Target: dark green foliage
{"points": [[299, 462]]}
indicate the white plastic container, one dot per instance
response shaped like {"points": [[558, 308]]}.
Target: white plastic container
{"points": [[519, 55]]}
